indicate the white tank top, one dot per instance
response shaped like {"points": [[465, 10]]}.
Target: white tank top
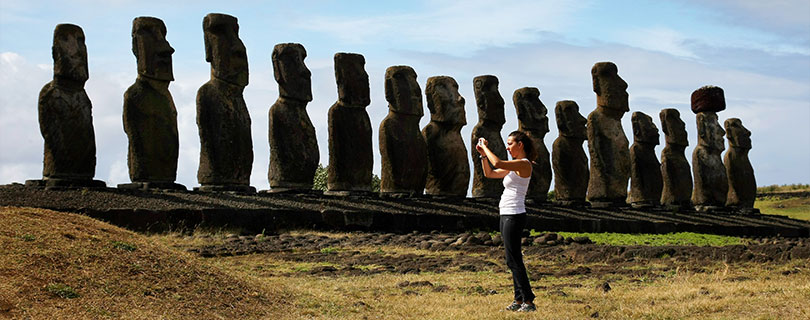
{"points": [[513, 199]]}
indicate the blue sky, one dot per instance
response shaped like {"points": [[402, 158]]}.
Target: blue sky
{"points": [[759, 52]]}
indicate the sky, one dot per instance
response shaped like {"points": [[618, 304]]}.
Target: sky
{"points": [[757, 51]]}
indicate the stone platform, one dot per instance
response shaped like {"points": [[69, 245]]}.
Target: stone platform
{"points": [[159, 211]]}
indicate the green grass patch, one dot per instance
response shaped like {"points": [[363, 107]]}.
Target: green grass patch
{"points": [[796, 208], [680, 238], [124, 246], [329, 250], [28, 237], [61, 290]]}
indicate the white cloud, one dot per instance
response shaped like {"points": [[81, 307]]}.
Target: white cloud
{"points": [[449, 26], [20, 140]]}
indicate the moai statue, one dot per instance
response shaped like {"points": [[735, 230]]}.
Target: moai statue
{"points": [[448, 168], [607, 144], [490, 121], [533, 120], [226, 152], [567, 156], [645, 170], [403, 149], [293, 146], [742, 186], [351, 158], [65, 117], [150, 118], [675, 170], [711, 183]]}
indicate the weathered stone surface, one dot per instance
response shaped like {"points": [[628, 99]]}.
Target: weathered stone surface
{"points": [[533, 120], [568, 157], [403, 149], [150, 117], [351, 158], [65, 115], [675, 170], [294, 152], [708, 98], [490, 121], [448, 168], [645, 173], [711, 183], [742, 185], [226, 146], [607, 144]]}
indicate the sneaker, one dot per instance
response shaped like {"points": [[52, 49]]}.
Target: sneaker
{"points": [[527, 308], [514, 306]]}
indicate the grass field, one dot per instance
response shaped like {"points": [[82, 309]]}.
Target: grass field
{"points": [[796, 208]]}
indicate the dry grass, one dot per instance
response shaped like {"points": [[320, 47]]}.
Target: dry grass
{"points": [[120, 274], [62, 265], [741, 291]]}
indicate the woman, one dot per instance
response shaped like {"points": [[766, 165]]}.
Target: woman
{"points": [[516, 174]]}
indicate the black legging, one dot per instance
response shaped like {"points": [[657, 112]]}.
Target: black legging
{"points": [[511, 230]]}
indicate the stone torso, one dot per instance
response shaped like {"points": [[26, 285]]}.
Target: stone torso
{"points": [[404, 154], [570, 169], [677, 177], [448, 168], [350, 151], [742, 191], [294, 151], [66, 124], [711, 183], [150, 121], [483, 186], [646, 182], [610, 158], [541, 168], [226, 153]]}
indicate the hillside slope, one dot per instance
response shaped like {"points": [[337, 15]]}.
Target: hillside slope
{"points": [[63, 265]]}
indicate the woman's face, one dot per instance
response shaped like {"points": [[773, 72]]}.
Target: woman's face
{"points": [[515, 147]]}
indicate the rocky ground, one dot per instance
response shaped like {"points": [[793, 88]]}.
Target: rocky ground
{"points": [[354, 254]]}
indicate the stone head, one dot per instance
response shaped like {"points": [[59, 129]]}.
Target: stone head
{"points": [[710, 134], [402, 91], [644, 130], [610, 89], [738, 136], [488, 99], [531, 113], [293, 76], [152, 51], [69, 53], [224, 50], [352, 79], [708, 98], [444, 102], [674, 128], [569, 121]]}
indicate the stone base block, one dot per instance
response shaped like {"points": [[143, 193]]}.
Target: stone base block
{"points": [[348, 193], [291, 191], [399, 195], [225, 188], [579, 203], [152, 186], [54, 183], [608, 204], [713, 209]]}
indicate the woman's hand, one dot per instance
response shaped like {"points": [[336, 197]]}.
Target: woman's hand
{"points": [[480, 147]]}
